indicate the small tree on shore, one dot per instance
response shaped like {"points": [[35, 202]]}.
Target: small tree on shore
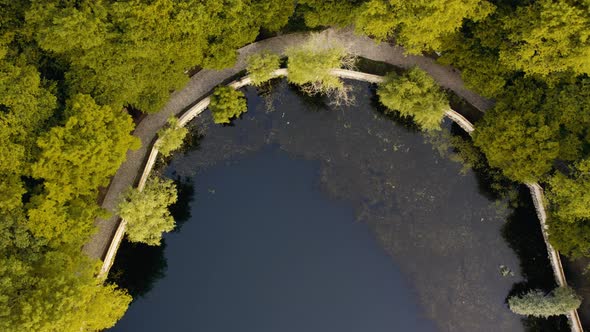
{"points": [[171, 137], [146, 212], [261, 66], [536, 303], [310, 65], [226, 104], [414, 94]]}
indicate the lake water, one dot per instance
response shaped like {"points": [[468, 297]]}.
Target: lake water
{"points": [[308, 217]]}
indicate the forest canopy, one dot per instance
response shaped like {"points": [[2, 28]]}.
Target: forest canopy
{"points": [[72, 73]]}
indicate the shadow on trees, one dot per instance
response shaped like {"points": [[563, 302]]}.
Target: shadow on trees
{"points": [[138, 267], [523, 234]]}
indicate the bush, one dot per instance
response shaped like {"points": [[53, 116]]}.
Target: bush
{"points": [[571, 239], [310, 65], [414, 94], [535, 303], [227, 103], [171, 137], [522, 144], [146, 212], [569, 195], [261, 66]]}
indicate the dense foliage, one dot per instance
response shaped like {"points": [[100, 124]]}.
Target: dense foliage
{"points": [[103, 42], [310, 65], [417, 25], [146, 211], [536, 303], [261, 66], [226, 104], [171, 137], [68, 72], [414, 94], [69, 69]]}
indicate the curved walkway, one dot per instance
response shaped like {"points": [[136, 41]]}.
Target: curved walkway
{"points": [[205, 80], [106, 241]]}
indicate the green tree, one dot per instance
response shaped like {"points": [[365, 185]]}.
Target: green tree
{"points": [[517, 135], [226, 104], [79, 157], [272, 15], [523, 145], [26, 106], [146, 211], [261, 66], [476, 55], [328, 12], [418, 25], [75, 160], [415, 94], [171, 137], [310, 65], [567, 103], [547, 36], [61, 294], [536, 303], [136, 52], [571, 239], [570, 195]]}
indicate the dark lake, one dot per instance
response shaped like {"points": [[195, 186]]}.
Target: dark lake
{"points": [[303, 216]]}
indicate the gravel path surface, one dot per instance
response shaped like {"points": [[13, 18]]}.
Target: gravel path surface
{"points": [[205, 80]]}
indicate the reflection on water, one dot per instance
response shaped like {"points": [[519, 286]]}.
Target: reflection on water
{"points": [[440, 225], [138, 267]]}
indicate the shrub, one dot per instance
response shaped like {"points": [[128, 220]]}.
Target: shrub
{"points": [[536, 303], [146, 212], [414, 94], [227, 103], [569, 195], [171, 137], [310, 66], [261, 66], [522, 143], [571, 239]]}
